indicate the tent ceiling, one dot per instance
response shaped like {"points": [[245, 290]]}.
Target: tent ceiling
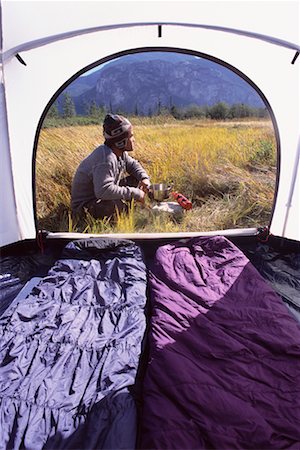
{"points": [[35, 20]]}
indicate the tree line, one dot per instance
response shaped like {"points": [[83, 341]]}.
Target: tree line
{"points": [[66, 112]]}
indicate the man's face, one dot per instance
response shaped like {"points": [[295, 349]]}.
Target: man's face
{"points": [[130, 143]]}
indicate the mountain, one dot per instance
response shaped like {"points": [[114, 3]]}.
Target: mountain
{"points": [[143, 82], [83, 84]]}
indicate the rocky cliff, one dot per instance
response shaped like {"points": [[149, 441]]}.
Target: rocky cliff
{"points": [[145, 82]]}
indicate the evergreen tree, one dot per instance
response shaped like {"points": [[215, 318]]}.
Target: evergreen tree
{"points": [[102, 111], [93, 109], [86, 108], [194, 111], [136, 111], [219, 111], [53, 111], [175, 112], [262, 113], [159, 107], [68, 106]]}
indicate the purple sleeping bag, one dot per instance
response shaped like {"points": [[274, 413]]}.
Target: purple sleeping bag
{"points": [[70, 350], [224, 366]]}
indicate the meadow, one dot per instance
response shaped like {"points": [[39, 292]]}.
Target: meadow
{"points": [[227, 169]]}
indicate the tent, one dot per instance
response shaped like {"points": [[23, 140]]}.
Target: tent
{"points": [[73, 311], [44, 45]]}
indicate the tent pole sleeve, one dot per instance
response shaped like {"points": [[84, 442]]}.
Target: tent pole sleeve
{"points": [[57, 37]]}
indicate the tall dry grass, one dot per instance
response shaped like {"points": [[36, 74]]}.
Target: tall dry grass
{"points": [[227, 169]]}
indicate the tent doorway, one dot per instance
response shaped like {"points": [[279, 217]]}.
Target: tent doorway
{"points": [[200, 125]]}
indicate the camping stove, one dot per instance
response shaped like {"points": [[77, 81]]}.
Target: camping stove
{"points": [[161, 191]]}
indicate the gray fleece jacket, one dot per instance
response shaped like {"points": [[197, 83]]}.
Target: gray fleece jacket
{"points": [[99, 174]]}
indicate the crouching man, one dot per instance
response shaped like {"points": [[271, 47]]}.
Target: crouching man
{"points": [[100, 185]]}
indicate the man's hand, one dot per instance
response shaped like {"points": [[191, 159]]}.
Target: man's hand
{"points": [[142, 197], [145, 184]]}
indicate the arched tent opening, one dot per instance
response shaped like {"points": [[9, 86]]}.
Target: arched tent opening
{"points": [[151, 91]]}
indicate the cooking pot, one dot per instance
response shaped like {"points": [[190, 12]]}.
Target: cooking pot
{"points": [[159, 191]]}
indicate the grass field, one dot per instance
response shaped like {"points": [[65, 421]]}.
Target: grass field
{"points": [[227, 169]]}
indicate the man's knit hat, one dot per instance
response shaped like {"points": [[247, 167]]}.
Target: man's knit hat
{"points": [[116, 130]]}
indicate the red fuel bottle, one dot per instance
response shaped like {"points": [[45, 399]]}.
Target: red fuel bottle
{"points": [[182, 200]]}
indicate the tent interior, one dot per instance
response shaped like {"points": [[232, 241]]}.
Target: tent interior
{"points": [[147, 340]]}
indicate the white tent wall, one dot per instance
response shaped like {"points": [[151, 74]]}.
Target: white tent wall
{"points": [[7, 200], [28, 89]]}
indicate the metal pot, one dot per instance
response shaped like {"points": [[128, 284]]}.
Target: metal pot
{"points": [[159, 191]]}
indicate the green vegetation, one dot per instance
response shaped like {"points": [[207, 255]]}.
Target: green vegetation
{"points": [[95, 114]]}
